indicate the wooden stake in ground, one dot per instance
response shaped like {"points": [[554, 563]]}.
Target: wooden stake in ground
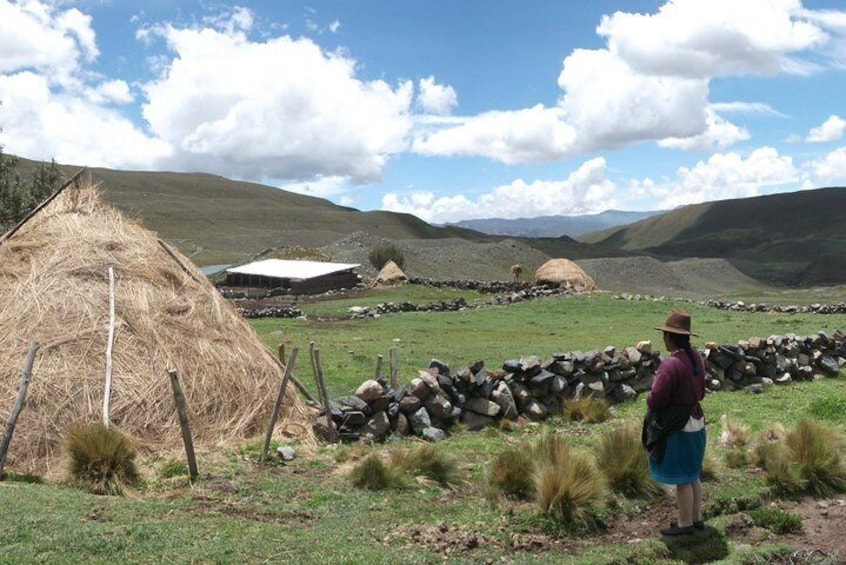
{"points": [[300, 386], [275, 414], [394, 369], [107, 394], [378, 367], [19, 404], [183, 423], [321, 385]]}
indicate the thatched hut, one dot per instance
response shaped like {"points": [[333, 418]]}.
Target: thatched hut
{"points": [[55, 289], [390, 275], [563, 272]]}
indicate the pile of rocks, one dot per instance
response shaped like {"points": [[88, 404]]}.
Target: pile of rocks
{"points": [[741, 306], [532, 389], [270, 312]]}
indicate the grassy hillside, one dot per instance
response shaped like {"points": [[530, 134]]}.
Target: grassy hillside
{"points": [[794, 238], [216, 220]]}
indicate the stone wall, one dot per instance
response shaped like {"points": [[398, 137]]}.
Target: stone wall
{"points": [[534, 389]]}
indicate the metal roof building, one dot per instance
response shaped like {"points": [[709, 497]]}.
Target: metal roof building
{"points": [[297, 277]]}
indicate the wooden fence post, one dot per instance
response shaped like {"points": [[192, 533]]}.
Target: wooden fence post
{"points": [[19, 404], [183, 423], [318, 375], [107, 392], [275, 414], [394, 369], [378, 367]]}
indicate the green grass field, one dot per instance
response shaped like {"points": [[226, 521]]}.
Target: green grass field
{"points": [[244, 511]]}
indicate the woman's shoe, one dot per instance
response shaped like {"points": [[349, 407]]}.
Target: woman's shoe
{"points": [[676, 530], [697, 524]]}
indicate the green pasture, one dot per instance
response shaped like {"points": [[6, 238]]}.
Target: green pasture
{"points": [[245, 511]]}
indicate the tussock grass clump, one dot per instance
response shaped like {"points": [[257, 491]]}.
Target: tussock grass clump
{"points": [[588, 410], [101, 459], [172, 468], [776, 520], [710, 468], [624, 462], [568, 485], [428, 461], [736, 457], [510, 473], [733, 434], [814, 448], [373, 474]]}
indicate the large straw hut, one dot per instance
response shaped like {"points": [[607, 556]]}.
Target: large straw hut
{"points": [[390, 275], [563, 272], [55, 290]]}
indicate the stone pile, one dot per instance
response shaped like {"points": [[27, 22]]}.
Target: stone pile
{"points": [[532, 389], [270, 312]]}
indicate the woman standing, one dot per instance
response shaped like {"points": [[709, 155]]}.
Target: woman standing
{"points": [[677, 423]]}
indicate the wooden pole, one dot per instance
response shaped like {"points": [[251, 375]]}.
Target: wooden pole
{"points": [[300, 386], [19, 404], [378, 367], [183, 423], [279, 399], [280, 352], [182, 265], [394, 369], [107, 394], [311, 351], [321, 385]]}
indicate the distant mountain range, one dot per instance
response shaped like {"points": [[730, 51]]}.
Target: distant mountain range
{"points": [[554, 226]]}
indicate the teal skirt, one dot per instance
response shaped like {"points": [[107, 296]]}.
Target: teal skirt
{"points": [[683, 457]]}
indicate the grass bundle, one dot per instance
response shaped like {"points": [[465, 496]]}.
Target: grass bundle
{"points": [[101, 459], [372, 473], [623, 461], [54, 286], [569, 487], [814, 448], [589, 410], [510, 473], [428, 461]]}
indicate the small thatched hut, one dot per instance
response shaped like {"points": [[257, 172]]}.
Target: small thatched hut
{"points": [[390, 275], [55, 289], [563, 272]]}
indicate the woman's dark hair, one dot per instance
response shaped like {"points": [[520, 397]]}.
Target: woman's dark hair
{"points": [[683, 342]]}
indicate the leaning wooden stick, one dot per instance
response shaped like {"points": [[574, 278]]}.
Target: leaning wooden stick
{"points": [[318, 374], [279, 399], [183, 423], [107, 393], [300, 386], [19, 404], [73, 180]]}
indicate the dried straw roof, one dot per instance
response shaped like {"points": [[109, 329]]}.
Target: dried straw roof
{"points": [[390, 274], [564, 272], [54, 286]]}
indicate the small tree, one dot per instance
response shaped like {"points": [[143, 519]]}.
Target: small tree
{"points": [[17, 195], [379, 256]]}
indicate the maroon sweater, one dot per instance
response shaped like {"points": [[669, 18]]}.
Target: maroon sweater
{"points": [[675, 383]]}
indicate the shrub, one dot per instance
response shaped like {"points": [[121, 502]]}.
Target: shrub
{"points": [[373, 474], [511, 473], [588, 410], [733, 435], [814, 449], [428, 461], [568, 485], [101, 459], [776, 520], [624, 462], [379, 256]]}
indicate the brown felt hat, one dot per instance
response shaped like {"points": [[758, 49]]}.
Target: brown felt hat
{"points": [[677, 323]]}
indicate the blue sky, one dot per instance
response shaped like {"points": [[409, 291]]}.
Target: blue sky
{"points": [[447, 109]]}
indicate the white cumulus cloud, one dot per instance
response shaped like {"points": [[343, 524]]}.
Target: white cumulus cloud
{"points": [[831, 130], [281, 108], [434, 98], [722, 176], [585, 191]]}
